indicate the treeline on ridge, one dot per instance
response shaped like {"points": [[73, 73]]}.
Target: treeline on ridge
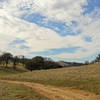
{"points": [[36, 63]]}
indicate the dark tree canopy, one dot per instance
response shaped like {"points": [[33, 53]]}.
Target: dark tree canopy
{"points": [[6, 57], [15, 61], [38, 63]]}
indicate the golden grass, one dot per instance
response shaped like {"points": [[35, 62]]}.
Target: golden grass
{"points": [[10, 71], [83, 77]]}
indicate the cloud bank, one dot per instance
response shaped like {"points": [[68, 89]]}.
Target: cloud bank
{"points": [[21, 36]]}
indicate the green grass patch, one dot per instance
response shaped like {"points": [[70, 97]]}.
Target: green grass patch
{"points": [[18, 92]]}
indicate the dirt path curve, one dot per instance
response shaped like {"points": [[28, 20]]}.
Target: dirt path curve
{"points": [[57, 93]]}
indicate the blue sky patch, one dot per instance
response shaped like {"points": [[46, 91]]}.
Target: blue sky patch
{"points": [[17, 41], [57, 51], [92, 4], [34, 18], [2, 0], [81, 60], [24, 47], [60, 27], [88, 39]]}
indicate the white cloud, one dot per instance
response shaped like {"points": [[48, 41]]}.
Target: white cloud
{"points": [[38, 38], [64, 10], [90, 26], [41, 39]]}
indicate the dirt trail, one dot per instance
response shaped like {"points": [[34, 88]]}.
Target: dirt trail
{"points": [[57, 93]]}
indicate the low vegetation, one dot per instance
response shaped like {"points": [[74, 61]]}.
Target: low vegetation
{"points": [[18, 92], [10, 71], [85, 77]]}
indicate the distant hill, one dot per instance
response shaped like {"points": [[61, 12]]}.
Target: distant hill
{"points": [[69, 64]]}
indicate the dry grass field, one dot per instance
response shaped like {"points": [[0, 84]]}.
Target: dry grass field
{"points": [[83, 77], [10, 71], [10, 91]]}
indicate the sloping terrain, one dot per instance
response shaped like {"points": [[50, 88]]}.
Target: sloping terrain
{"points": [[83, 77], [55, 93], [54, 83]]}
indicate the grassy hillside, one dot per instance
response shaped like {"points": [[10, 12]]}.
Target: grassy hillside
{"points": [[10, 71], [10, 91], [83, 77], [18, 92]]}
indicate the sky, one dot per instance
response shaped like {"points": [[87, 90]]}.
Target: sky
{"points": [[66, 30]]}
